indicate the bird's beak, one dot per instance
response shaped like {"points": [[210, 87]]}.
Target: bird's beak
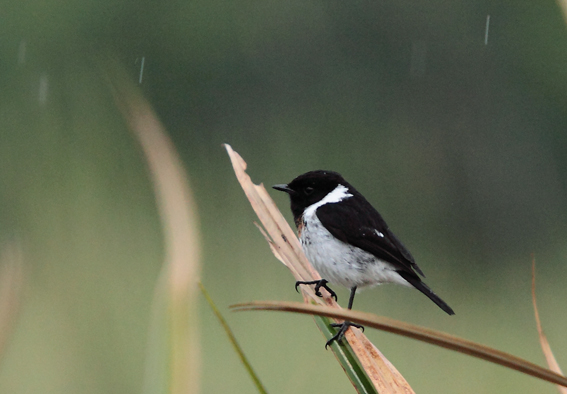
{"points": [[284, 188]]}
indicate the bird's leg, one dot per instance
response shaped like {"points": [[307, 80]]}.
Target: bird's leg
{"points": [[318, 284], [343, 327]]}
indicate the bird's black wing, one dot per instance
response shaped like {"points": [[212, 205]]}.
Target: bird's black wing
{"points": [[359, 224]]}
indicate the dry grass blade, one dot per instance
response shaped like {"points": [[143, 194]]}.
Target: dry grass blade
{"points": [[282, 239], [563, 5], [180, 226], [549, 357], [423, 334], [11, 280]]}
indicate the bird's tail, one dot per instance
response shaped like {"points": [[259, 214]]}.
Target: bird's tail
{"points": [[418, 284]]}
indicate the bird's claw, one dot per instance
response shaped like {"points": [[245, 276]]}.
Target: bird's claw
{"points": [[318, 284], [342, 330], [350, 324]]}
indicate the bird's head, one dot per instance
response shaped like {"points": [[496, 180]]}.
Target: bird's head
{"points": [[312, 187]]}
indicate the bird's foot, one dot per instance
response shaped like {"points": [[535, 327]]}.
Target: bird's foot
{"points": [[318, 284], [341, 333]]}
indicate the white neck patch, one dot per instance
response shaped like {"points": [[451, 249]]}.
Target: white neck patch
{"points": [[338, 194]]}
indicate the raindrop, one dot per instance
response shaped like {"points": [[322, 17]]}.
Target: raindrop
{"points": [[43, 87], [141, 70], [486, 30], [22, 52]]}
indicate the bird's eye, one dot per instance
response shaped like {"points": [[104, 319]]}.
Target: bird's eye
{"points": [[308, 190]]}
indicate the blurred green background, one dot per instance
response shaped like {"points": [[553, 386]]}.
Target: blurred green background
{"points": [[462, 146]]}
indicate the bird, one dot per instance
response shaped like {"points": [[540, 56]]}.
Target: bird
{"points": [[347, 240]]}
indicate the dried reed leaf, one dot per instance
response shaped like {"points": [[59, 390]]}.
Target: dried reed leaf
{"points": [[416, 332], [545, 347], [178, 214], [563, 6], [286, 247]]}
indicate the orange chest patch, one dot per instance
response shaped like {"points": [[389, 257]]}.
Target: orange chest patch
{"points": [[299, 224]]}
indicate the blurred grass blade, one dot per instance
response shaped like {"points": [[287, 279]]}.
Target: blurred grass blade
{"points": [[233, 341], [416, 332], [549, 357], [178, 214], [368, 370], [11, 281]]}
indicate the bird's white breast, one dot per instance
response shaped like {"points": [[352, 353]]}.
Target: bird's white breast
{"points": [[337, 261]]}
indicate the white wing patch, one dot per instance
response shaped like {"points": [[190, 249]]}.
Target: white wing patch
{"points": [[378, 233]]}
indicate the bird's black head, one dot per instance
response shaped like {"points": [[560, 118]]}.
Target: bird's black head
{"points": [[309, 188]]}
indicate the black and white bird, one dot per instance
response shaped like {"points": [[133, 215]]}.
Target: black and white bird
{"points": [[347, 241]]}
